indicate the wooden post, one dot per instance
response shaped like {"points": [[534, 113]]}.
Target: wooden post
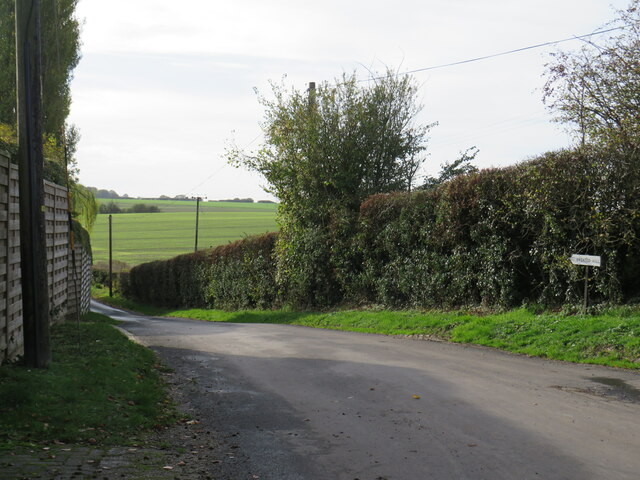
{"points": [[33, 251], [312, 96], [110, 255], [197, 219], [586, 288]]}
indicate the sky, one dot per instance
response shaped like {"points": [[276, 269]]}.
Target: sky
{"points": [[164, 87]]}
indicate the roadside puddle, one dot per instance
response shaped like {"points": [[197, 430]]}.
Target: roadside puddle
{"points": [[618, 388]]}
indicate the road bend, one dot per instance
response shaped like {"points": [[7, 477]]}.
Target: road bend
{"points": [[303, 403]]}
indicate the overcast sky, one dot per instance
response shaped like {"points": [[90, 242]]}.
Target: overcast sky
{"points": [[164, 86]]}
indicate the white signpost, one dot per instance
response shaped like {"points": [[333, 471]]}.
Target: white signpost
{"points": [[587, 261]]}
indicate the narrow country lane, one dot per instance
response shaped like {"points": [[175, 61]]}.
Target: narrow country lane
{"points": [[302, 403]]}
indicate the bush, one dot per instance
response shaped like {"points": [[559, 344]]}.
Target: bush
{"points": [[496, 238], [100, 274], [110, 207], [502, 237], [238, 275], [143, 208]]}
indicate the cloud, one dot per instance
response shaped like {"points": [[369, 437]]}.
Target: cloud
{"points": [[163, 85]]}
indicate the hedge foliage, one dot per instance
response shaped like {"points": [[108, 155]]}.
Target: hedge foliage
{"points": [[234, 276], [504, 236], [499, 237]]}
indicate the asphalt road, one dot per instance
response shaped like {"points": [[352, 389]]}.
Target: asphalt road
{"points": [[302, 403]]}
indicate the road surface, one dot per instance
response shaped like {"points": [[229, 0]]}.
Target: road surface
{"points": [[302, 403]]}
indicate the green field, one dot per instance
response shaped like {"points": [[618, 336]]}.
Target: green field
{"points": [[143, 237]]}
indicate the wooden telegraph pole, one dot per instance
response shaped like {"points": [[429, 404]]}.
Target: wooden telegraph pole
{"points": [[33, 249], [110, 255], [197, 219]]}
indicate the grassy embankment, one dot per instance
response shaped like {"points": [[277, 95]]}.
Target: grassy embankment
{"points": [[611, 338], [101, 389], [143, 237]]}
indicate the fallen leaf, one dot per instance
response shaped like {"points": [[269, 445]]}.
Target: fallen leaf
{"points": [[416, 397]]}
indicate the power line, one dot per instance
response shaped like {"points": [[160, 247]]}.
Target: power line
{"points": [[224, 165], [486, 57]]}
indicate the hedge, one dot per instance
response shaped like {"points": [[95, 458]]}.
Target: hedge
{"points": [[503, 237], [233, 276], [499, 237]]}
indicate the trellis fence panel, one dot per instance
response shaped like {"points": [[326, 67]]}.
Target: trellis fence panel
{"points": [[68, 294]]}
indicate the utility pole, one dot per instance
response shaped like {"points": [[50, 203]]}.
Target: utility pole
{"points": [[33, 249], [110, 255], [197, 218], [312, 96]]}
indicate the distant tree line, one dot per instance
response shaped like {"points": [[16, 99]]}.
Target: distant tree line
{"points": [[111, 194], [103, 193], [238, 200], [113, 207]]}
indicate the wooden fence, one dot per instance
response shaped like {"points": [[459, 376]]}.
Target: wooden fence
{"points": [[69, 288], [10, 273]]}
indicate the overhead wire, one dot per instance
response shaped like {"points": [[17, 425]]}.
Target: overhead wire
{"points": [[222, 167], [445, 65], [500, 54]]}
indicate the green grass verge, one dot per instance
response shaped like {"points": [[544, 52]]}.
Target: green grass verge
{"points": [[101, 389], [611, 338], [143, 237]]}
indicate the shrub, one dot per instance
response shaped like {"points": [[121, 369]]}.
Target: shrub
{"points": [[504, 236], [144, 208], [497, 238], [110, 207], [238, 275]]}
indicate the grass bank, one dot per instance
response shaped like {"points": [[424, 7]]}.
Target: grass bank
{"points": [[610, 338], [101, 389]]}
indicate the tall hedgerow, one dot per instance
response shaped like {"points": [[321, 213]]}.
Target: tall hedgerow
{"points": [[238, 275], [504, 236], [498, 237]]}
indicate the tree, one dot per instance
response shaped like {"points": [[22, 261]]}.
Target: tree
{"points": [[60, 55], [109, 207], [325, 151], [84, 206], [449, 170], [7, 62], [597, 89], [339, 144]]}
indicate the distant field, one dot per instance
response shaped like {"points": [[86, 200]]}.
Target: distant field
{"points": [[143, 237]]}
